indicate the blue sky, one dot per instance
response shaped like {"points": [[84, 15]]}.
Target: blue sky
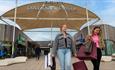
{"points": [[105, 9]]}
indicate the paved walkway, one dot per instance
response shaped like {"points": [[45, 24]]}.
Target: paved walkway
{"points": [[33, 64]]}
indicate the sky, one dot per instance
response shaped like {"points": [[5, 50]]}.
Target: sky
{"points": [[105, 9]]}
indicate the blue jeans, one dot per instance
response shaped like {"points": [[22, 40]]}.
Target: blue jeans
{"points": [[64, 56]]}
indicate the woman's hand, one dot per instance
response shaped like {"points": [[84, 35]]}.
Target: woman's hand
{"points": [[52, 55], [75, 55], [88, 38]]}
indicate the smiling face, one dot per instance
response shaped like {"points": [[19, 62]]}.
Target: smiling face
{"points": [[63, 28], [96, 30]]}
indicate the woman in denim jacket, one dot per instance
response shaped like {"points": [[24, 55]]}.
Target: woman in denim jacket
{"points": [[63, 46]]}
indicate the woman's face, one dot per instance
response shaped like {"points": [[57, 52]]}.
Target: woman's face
{"points": [[97, 31], [64, 28]]}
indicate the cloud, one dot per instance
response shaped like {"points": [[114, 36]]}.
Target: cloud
{"points": [[6, 5], [112, 1], [4, 9]]}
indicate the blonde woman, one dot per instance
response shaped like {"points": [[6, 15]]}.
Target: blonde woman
{"points": [[64, 47]]}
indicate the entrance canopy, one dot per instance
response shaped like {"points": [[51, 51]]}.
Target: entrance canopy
{"points": [[47, 14]]}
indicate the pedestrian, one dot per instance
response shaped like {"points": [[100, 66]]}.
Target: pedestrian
{"points": [[37, 51], [64, 47], [97, 38]]}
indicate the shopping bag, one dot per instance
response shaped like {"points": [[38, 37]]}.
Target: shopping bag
{"points": [[79, 65], [88, 47], [48, 60], [81, 54]]}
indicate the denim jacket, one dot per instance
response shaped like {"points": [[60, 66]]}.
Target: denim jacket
{"points": [[60, 43]]}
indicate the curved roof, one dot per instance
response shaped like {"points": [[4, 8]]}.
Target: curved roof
{"points": [[45, 14]]}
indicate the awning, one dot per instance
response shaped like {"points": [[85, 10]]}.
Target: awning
{"points": [[45, 14]]}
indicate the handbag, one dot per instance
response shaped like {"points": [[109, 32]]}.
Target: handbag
{"points": [[81, 54], [48, 60], [80, 66], [88, 47]]}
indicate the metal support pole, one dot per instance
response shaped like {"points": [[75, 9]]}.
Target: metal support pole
{"points": [[50, 18], [13, 42], [51, 33], [87, 15]]}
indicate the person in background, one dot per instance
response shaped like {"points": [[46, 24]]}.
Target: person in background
{"points": [[97, 38], [37, 51], [64, 46], [2, 53]]}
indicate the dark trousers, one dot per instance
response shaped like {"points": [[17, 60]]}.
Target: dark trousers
{"points": [[37, 56], [96, 62]]}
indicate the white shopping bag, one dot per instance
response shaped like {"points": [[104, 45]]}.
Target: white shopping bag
{"points": [[48, 60], [45, 61]]}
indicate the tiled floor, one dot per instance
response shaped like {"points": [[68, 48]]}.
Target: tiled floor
{"points": [[33, 64]]}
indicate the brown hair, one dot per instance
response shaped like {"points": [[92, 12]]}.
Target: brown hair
{"points": [[62, 26], [96, 27]]}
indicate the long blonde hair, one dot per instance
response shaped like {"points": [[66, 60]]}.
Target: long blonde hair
{"points": [[100, 32]]}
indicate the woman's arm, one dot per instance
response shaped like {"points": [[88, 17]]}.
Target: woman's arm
{"points": [[73, 47], [55, 46], [87, 38]]}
